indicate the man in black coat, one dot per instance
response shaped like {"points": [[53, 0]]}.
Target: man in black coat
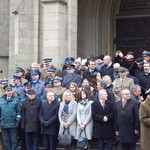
{"points": [[103, 113], [30, 119], [127, 124], [49, 121]]}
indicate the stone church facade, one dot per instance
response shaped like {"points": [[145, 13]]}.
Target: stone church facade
{"points": [[31, 30]]}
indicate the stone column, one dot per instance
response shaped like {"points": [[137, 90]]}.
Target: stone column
{"points": [[54, 24], [23, 44], [72, 28]]}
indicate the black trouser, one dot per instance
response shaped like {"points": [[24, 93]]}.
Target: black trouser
{"points": [[9, 136], [128, 146], [50, 142]]}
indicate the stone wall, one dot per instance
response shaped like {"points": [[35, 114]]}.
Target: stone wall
{"points": [[4, 37], [41, 29]]}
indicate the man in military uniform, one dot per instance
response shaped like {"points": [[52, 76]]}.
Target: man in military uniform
{"points": [[121, 83], [146, 56], [58, 89], [47, 65], [20, 72], [48, 88], [4, 82], [50, 75]]}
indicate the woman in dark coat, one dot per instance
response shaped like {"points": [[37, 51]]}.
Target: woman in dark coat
{"points": [[49, 121]]}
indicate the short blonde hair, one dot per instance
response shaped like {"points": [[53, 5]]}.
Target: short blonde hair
{"points": [[65, 95]]}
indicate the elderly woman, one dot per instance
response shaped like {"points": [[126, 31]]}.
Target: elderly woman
{"points": [[84, 117], [67, 116]]}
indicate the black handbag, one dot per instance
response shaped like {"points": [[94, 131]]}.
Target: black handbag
{"points": [[82, 142], [65, 138]]}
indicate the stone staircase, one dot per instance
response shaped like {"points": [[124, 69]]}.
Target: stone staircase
{"points": [[93, 147]]}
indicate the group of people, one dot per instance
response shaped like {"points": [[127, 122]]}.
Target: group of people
{"points": [[98, 97]]}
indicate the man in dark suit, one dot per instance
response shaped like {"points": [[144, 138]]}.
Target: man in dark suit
{"points": [[127, 121], [49, 121], [89, 73], [144, 78], [103, 112]]}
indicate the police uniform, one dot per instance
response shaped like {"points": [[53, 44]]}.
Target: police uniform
{"points": [[73, 77], [37, 85], [19, 88]]}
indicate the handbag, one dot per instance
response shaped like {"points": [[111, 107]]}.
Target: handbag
{"points": [[82, 142], [65, 138]]}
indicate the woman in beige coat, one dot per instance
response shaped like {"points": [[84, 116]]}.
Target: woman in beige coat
{"points": [[144, 115], [67, 116]]}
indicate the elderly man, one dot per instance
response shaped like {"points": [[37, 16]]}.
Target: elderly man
{"points": [[107, 69], [136, 94], [49, 121], [103, 113], [127, 124]]}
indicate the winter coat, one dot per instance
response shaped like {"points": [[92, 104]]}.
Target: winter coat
{"points": [[49, 114], [69, 118], [30, 115], [10, 112], [103, 129], [144, 115], [127, 121], [84, 116]]}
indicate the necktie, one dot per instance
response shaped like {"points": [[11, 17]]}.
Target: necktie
{"points": [[8, 98], [123, 103], [103, 104]]}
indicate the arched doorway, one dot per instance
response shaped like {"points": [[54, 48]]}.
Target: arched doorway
{"points": [[104, 26], [96, 26], [132, 26]]}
